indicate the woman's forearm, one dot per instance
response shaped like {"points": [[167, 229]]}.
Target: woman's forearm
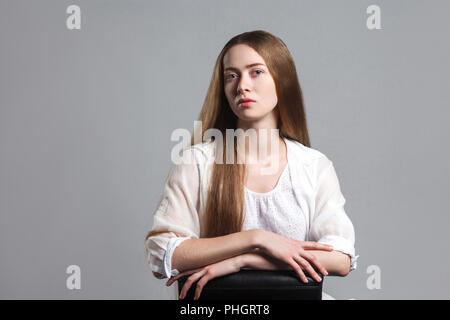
{"points": [[259, 261], [335, 262], [196, 253]]}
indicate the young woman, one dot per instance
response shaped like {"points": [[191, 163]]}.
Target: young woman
{"points": [[215, 217]]}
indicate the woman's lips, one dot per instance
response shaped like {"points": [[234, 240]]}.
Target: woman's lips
{"points": [[246, 103]]}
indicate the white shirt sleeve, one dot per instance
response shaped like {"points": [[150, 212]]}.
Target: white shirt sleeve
{"points": [[330, 224], [176, 218]]}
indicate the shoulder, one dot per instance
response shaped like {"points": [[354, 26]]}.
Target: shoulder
{"points": [[317, 167], [307, 155], [200, 152]]}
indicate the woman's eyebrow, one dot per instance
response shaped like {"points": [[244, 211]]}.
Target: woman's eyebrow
{"points": [[247, 66]]}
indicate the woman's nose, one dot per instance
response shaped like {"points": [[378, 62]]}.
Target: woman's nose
{"points": [[243, 84]]}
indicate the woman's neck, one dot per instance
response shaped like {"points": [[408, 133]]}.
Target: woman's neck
{"points": [[264, 144]]}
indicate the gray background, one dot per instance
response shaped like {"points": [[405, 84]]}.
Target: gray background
{"points": [[86, 117]]}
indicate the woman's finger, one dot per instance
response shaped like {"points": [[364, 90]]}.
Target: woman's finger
{"points": [[173, 279], [299, 271], [307, 266], [190, 281], [182, 274], [312, 259], [312, 245], [200, 284]]}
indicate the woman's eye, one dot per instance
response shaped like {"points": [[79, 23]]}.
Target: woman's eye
{"points": [[233, 75]]}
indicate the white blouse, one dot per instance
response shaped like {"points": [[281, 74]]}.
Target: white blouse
{"points": [[277, 211], [315, 187]]}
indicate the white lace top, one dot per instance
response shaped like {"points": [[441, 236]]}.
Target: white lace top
{"points": [[277, 211], [308, 191]]}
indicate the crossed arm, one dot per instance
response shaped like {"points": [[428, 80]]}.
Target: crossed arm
{"points": [[242, 250], [335, 262], [256, 260]]}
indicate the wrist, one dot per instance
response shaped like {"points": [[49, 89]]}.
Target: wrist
{"points": [[241, 261], [257, 239]]}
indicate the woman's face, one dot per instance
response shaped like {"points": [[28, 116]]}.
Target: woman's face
{"points": [[247, 76]]}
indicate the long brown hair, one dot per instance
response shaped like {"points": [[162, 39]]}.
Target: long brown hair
{"points": [[224, 210]]}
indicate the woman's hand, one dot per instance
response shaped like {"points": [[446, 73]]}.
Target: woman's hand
{"points": [[206, 273], [293, 252]]}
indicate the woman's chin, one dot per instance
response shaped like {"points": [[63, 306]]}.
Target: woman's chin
{"points": [[249, 116]]}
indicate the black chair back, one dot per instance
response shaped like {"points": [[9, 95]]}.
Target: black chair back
{"points": [[257, 285]]}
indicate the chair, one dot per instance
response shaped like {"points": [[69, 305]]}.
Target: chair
{"points": [[257, 285]]}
